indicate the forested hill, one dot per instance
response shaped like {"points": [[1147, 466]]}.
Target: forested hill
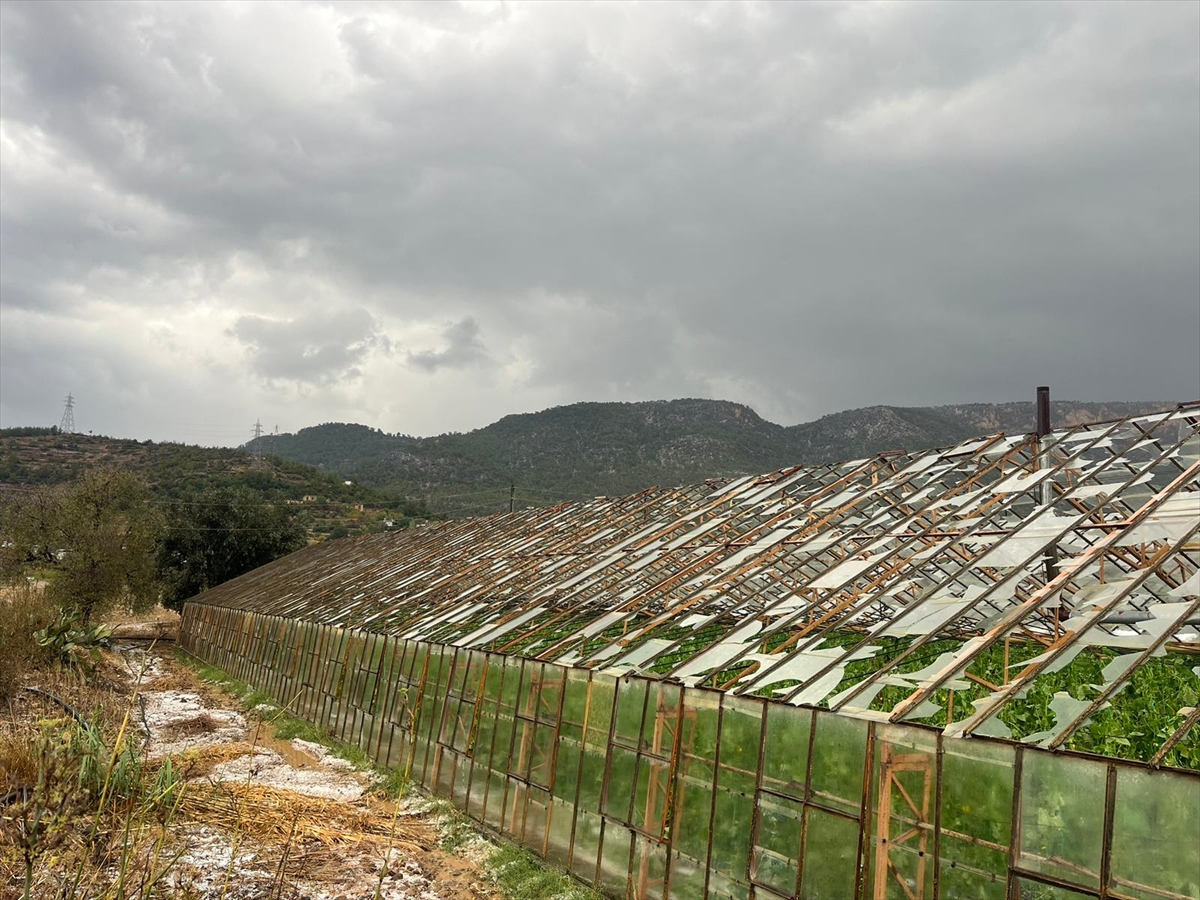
{"points": [[589, 449], [179, 472]]}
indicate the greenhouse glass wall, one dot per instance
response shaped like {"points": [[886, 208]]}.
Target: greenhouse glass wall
{"points": [[967, 673]]}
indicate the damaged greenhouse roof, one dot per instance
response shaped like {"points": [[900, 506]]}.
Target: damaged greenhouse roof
{"points": [[934, 586]]}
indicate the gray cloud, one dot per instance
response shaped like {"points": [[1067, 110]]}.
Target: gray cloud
{"points": [[463, 347], [317, 349], [809, 206]]}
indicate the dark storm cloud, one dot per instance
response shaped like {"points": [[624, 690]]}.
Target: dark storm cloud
{"points": [[802, 206]]}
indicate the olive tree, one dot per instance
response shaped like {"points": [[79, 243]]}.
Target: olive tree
{"points": [[221, 534], [93, 541]]}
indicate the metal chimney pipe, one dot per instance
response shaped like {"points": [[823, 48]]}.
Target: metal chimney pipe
{"points": [[1047, 491], [1043, 411]]}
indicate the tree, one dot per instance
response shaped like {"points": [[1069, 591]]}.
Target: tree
{"points": [[219, 535], [93, 540]]}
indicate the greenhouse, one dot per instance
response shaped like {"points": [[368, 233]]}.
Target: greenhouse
{"points": [[971, 672]]}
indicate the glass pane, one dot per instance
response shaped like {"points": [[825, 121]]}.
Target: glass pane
{"points": [[494, 813], [830, 857], [785, 751], [603, 690], [741, 734], [687, 877], [574, 707], [541, 761], [622, 764], [977, 793], [693, 807], [536, 813], [649, 869], [650, 798], [741, 740], [1062, 817], [591, 780], [587, 843], [550, 694], [566, 770], [558, 836], [1156, 835], [614, 866], [904, 785], [662, 715], [1033, 890], [777, 850], [839, 754], [631, 703]]}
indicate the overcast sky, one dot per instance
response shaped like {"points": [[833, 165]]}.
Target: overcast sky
{"points": [[422, 217]]}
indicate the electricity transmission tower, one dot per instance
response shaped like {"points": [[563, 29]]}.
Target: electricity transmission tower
{"points": [[67, 425], [256, 447]]}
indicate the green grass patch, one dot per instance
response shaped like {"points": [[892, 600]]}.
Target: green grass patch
{"points": [[521, 876], [392, 783], [456, 829]]}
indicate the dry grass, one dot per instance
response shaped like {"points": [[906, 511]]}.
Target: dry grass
{"points": [[84, 820], [198, 762], [78, 795], [23, 610], [274, 815], [201, 724], [18, 764]]}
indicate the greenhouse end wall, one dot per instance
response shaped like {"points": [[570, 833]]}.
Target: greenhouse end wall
{"points": [[647, 789]]}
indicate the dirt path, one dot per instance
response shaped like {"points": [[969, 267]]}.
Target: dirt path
{"points": [[269, 818]]}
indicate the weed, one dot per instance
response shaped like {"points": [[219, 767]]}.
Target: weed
{"points": [[392, 783], [521, 876], [76, 802], [456, 829]]}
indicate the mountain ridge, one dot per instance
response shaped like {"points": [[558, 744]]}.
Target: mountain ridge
{"points": [[610, 448]]}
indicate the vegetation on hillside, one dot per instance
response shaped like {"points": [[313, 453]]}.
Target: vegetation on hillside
{"points": [[589, 449], [99, 543], [176, 475]]}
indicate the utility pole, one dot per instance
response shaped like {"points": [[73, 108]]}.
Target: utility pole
{"points": [[67, 425], [258, 432], [512, 496]]}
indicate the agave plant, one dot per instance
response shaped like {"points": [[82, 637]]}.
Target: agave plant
{"points": [[70, 643]]}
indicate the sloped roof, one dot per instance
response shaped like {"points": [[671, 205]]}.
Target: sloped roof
{"points": [[874, 586]]}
